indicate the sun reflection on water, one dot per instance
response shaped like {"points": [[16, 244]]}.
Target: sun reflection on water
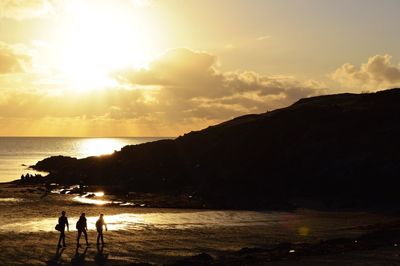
{"points": [[118, 221], [85, 200], [114, 223], [100, 146], [10, 200], [88, 198], [146, 221], [99, 194]]}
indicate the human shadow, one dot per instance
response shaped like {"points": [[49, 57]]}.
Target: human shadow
{"points": [[79, 258], [56, 260], [100, 257]]}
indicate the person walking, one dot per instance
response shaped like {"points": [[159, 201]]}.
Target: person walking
{"points": [[81, 225], [62, 222], [99, 226]]}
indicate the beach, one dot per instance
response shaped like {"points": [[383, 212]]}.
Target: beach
{"points": [[229, 133], [166, 236]]}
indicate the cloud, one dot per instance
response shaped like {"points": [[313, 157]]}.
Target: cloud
{"points": [[182, 90], [11, 60], [263, 38], [376, 73], [191, 86], [180, 71], [229, 46], [189, 75], [25, 9]]}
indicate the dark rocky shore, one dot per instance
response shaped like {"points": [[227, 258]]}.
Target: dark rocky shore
{"points": [[339, 150]]}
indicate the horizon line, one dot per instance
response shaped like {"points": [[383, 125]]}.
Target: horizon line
{"points": [[98, 137]]}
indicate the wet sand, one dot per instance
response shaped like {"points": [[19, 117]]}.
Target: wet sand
{"points": [[167, 236], [377, 248], [38, 250]]}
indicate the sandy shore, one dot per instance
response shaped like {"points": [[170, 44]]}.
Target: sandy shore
{"points": [[379, 248], [39, 249], [18, 247]]}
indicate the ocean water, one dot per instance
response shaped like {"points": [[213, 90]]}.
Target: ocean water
{"points": [[17, 153]]}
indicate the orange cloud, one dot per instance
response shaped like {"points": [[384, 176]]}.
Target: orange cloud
{"points": [[12, 61], [23, 9], [189, 74], [182, 90], [376, 73]]}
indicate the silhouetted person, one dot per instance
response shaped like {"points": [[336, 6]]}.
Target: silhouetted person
{"points": [[79, 259], [100, 258], [62, 221], [81, 225], [99, 226]]}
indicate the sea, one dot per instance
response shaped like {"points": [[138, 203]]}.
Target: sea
{"points": [[18, 153], [136, 233]]}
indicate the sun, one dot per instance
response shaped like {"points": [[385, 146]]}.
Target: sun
{"points": [[139, 3], [98, 39]]}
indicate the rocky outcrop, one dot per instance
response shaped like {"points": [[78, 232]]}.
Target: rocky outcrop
{"points": [[342, 150]]}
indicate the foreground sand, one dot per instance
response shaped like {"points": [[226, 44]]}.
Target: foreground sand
{"points": [[379, 247], [158, 247], [379, 256], [38, 251]]}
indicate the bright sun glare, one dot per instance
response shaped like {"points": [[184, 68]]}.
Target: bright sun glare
{"points": [[100, 38], [101, 146]]}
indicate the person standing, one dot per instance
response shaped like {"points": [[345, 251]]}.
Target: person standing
{"points": [[62, 222], [81, 225], [99, 226]]}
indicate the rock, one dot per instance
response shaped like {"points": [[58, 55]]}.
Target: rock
{"points": [[340, 150]]}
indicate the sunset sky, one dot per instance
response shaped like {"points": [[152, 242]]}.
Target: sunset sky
{"points": [[165, 67]]}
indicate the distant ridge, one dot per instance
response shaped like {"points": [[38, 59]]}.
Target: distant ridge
{"points": [[341, 150]]}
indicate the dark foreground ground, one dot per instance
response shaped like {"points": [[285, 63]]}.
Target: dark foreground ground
{"points": [[377, 247]]}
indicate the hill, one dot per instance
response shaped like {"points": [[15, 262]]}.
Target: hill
{"points": [[342, 150]]}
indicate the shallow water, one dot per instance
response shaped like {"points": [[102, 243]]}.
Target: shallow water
{"points": [[27, 234]]}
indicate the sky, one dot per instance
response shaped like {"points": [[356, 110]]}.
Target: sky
{"points": [[102, 68]]}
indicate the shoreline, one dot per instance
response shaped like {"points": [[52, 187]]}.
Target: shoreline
{"points": [[146, 199], [182, 201], [379, 242]]}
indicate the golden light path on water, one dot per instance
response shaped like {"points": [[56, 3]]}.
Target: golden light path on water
{"points": [[128, 221], [100, 146], [114, 222], [9, 200], [89, 200]]}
